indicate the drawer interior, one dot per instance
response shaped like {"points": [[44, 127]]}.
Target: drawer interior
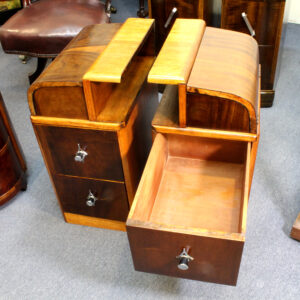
{"points": [[196, 184]]}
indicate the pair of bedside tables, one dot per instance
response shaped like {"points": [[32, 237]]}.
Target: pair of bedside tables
{"points": [[92, 110]]}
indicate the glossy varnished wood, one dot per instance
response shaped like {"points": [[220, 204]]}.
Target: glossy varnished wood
{"points": [[135, 139], [103, 160], [166, 120], [229, 72], [112, 200], [187, 9], [12, 163], [211, 112], [112, 63], [94, 222], [175, 60], [58, 92], [173, 205], [266, 18], [115, 130]]}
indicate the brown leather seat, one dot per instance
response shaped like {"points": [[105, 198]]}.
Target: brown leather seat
{"points": [[45, 27]]}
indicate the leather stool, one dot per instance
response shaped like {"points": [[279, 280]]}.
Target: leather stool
{"points": [[42, 29]]}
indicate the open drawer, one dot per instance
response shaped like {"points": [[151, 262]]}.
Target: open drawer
{"points": [[192, 198]]}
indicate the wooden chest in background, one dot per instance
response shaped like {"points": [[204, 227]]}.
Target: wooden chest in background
{"points": [[264, 16], [263, 20], [91, 111], [188, 218]]}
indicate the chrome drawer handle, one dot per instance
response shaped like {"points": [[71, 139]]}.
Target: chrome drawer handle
{"points": [[91, 199], [184, 260], [172, 13], [250, 28], [80, 154]]}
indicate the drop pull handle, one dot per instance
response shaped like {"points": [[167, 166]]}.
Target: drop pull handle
{"points": [[80, 154], [184, 260], [249, 26], [171, 15], [91, 199]]}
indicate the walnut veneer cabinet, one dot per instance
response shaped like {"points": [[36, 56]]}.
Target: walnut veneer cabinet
{"points": [[12, 163], [188, 218], [263, 20], [91, 111], [260, 18]]}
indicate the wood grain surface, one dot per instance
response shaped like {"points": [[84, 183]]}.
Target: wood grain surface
{"points": [[226, 66], [191, 198], [58, 91], [175, 60], [166, 121], [112, 201], [112, 63], [103, 160], [266, 18]]}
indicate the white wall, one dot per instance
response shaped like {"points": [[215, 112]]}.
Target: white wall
{"points": [[292, 11]]}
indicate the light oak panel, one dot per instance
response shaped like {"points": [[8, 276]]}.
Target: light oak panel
{"points": [[111, 64], [175, 60]]}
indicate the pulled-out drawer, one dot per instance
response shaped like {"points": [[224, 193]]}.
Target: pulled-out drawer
{"points": [[81, 152], [94, 198], [188, 217]]}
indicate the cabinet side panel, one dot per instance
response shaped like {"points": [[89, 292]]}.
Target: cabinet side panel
{"points": [[135, 139]]}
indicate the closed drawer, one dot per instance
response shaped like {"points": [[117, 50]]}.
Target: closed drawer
{"points": [[94, 198], [101, 158], [264, 16], [193, 196]]}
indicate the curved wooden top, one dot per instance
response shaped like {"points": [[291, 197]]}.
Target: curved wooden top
{"points": [[113, 61], [227, 66], [175, 60]]}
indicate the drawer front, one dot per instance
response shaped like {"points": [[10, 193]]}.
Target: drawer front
{"points": [[80, 152], [264, 16], [10, 169], [77, 196], [214, 260]]}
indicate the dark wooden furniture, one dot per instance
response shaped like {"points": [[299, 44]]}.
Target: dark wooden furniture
{"points": [[43, 28], [91, 111], [12, 164], [188, 218], [264, 16], [265, 20], [166, 11]]}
